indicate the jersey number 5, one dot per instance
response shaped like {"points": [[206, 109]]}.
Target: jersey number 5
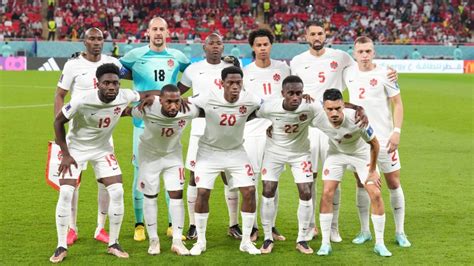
{"points": [[159, 75]]}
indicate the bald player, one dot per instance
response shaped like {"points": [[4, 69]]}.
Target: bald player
{"points": [[151, 67]]}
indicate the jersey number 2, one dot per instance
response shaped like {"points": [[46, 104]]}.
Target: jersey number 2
{"points": [[159, 75]]}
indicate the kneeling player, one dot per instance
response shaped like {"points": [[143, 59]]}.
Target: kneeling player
{"points": [[160, 152], [95, 116], [348, 149]]}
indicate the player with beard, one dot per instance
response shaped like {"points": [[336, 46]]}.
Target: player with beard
{"points": [[321, 68], [203, 76], [151, 67]]}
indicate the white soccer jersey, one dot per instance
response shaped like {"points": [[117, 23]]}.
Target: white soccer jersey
{"points": [[267, 84], [225, 122], [321, 73], [372, 90], [202, 77], [348, 138], [162, 134], [78, 74], [94, 120], [290, 128]]}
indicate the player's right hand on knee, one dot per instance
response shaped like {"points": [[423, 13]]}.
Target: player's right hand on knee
{"points": [[65, 166]]}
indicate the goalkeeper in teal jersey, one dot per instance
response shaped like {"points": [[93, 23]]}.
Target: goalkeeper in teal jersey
{"points": [[151, 67]]}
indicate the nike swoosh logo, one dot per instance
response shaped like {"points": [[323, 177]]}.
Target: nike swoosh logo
{"points": [[150, 224], [394, 164], [153, 122], [215, 107], [397, 208], [278, 119], [306, 67], [200, 73], [62, 216], [118, 214], [351, 80], [93, 114], [251, 79], [84, 74], [114, 168]]}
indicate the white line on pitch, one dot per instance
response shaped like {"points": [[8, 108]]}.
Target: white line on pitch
{"points": [[26, 106]]}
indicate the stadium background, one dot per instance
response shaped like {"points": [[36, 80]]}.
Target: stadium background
{"points": [[436, 147]]}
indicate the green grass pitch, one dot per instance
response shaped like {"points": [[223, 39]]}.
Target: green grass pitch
{"points": [[437, 165]]}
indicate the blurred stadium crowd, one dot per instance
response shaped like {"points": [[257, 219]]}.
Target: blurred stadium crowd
{"points": [[386, 21]]}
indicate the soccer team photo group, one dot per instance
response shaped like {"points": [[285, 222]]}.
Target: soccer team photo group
{"points": [[235, 159]]}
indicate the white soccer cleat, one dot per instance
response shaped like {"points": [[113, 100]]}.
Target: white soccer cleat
{"points": [[154, 248], [335, 236], [179, 248], [198, 248], [250, 248]]}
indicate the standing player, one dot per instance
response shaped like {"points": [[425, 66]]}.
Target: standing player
{"points": [[348, 149], [321, 68], [151, 68], [159, 152], [220, 149], [368, 86], [289, 118], [262, 77], [79, 77], [94, 116], [202, 77]]}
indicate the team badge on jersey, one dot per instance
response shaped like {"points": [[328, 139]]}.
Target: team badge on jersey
{"points": [[117, 110], [276, 77], [68, 107], [370, 131], [170, 63], [243, 109], [326, 171], [334, 65], [181, 123], [373, 82], [303, 117]]}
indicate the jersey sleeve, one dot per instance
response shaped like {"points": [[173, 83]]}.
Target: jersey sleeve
{"points": [[184, 62], [116, 62], [128, 60], [186, 78], [66, 79], [262, 111], [346, 60], [137, 114], [391, 88], [131, 95], [367, 133], [199, 100], [194, 112], [285, 69], [70, 109]]}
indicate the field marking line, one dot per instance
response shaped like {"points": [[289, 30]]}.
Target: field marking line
{"points": [[26, 106]]}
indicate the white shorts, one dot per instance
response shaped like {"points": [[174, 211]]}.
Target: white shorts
{"points": [[150, 167], [234, 163], [336, 164], [255, 148], [103, 162], [273, 166], [192, 152], [388, 162], [319, 146]]}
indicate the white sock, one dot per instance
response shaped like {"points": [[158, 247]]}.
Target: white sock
{"points": [[363, 206], [232, 200], [336, 203], [305, 209], [325, 223], [266, 216], [397, 199], [116, 210], [247, 224], [150, 213], [379, 227], [276, 207], [74, 204], [63, 213], [103, 206], [191, 197], [177, 217], [314, 192], [201, 224]]}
